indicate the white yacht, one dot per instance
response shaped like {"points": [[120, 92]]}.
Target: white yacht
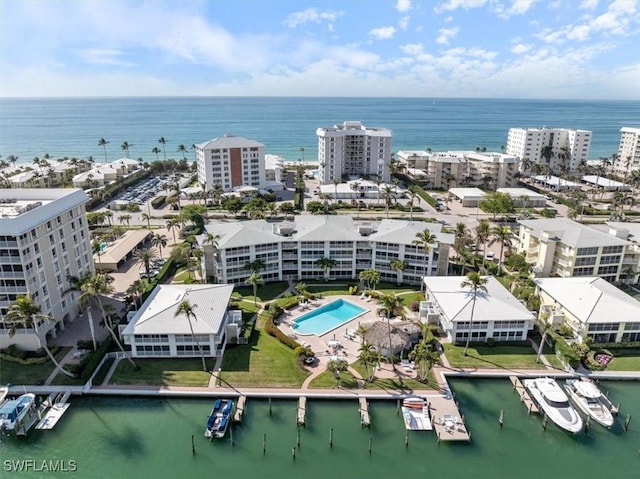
{"points": [[555, 403], [13, 412], [590, 400]]}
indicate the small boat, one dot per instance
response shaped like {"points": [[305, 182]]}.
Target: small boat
{"points": [[13, 412], [590, 400], [219, 418], [415, 412], [555, 403]]}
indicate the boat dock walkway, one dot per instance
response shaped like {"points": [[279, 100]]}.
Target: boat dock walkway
{"points": [[448, 423], [365, 419], [237, 417], [524, 395], [302, 410], [58, 405]]}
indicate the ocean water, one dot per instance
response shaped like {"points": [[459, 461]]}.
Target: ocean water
{"points": [[111, 437], [72, 127]]}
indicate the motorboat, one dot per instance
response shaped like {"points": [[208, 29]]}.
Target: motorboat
{"points": [[415, 412], [554, 402], [590, 400], [13, 412], [219, 418]]}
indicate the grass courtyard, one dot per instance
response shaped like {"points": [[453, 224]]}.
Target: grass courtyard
{"points": [[163, 372], [33, 374], [481, 356]]}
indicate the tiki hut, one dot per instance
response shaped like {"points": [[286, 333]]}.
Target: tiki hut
{"points": [[412, 328], [378, 336]]}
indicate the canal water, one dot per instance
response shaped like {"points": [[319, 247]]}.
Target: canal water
{"points": [[110, 437]]}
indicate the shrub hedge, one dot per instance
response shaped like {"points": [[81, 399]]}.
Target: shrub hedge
{"points": [[91, 361], [14, 354], [158, 201]]}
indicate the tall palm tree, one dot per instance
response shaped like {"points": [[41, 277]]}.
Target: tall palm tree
{"points": [[370, 276], [337, 366], [103, 143], [399, 266], [136, 290], [182, 149], [545, 327], [326, 264], [172, 226], [413, 196], [186, 308], [159, 241], [156, 151], [425, 240], [254, 280], [146, 217], [368, 356], [27, 314], [475, 283], [388, 305], [483, 232], [145, 257], [125, 147], [504, 236], [163, 142]]}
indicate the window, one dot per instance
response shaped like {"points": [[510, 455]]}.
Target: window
{"points": [[611, 327], [587, 251], [612, 250]]}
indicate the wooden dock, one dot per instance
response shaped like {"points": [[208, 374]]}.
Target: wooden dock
{"points": [[447, 421], [302, 410], [237, 416], [365, 419], [524, 395]]}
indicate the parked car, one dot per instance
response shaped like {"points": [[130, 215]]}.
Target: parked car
{"points": [[490, 256]]}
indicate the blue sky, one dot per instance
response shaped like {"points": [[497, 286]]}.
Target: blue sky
{"points": [[573, 49]]}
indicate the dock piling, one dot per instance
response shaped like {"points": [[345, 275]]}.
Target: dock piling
{"points": [[626, 422], [544, 422], [298, 437], [231, 436], [331, 437], [406, 439], [370, 439], [501, 418], [264, 443], [269, 406], [293, 453], [193, 446], [398, 407]]}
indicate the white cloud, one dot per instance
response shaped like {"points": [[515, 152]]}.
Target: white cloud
{"points": [[102, 56], [450, 5], [412, 48], [448, 19], [311, 15], [518, 7], [383, 33], [446, 34], [520, 48], [403, 23], [589, 4], [403, 5]]}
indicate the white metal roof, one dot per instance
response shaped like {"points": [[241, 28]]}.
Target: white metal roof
{"points": [[516, 193], [157, 314], [591, 299], [455, 302], [229, 141], [572, 233], [468, 193]]}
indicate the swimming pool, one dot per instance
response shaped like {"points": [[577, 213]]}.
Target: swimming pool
{"points": [[327, 317]]}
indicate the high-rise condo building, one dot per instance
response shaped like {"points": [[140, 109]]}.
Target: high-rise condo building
{"points": [[44, 239], [558, 148], [351, 149], [231, 161], [629, 151]]}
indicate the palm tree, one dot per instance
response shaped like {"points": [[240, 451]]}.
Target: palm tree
{"points": [[156, 150], [370, 276], [388, 305], [326, 264], [163, 142], [254, 280], [136, 290], [388, 198], [181, 149], [399, 266], [27, 314], [103, 143], [504, 236], [301, 288], [475, 283], [413, 196], [125, 147], [147, 218], [337, 366], [483, 232], [172, 226], [425, 240], [146, 257], [545, 327], [159, 241], [424, 357], [186, 308], [368, 356]]}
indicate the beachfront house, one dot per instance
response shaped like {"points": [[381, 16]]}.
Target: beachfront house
{"points": [[497, 313], [155, 331], [591, 307], [292, 250]]}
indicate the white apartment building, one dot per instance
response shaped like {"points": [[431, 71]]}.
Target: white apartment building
{"points": [[290, 250], [564, 147], [353, 150], [629, 151], [44, 239], [565, 248], [491, 170], [231, 161], [497, 313]]}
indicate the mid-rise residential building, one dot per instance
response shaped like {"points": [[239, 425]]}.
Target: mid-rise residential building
{"points": [[564, 248], [156, 331], [591, 307], [101, 175], [291, 250], [414, 159], [628, 152], [232, 162], [491, 170], [557, 148], [497, 313], [353, 150], [44, 239]]}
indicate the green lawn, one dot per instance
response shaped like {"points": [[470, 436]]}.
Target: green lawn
{"points": [[399, 384], [264, 362], [499, 356], [389, 288], [36, 374], [409, 298], [625, 360], [266, 292], [163, 372], [327, 380]]}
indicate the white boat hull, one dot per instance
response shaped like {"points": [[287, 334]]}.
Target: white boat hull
{"points": [[591, 407], [557, 409]]}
